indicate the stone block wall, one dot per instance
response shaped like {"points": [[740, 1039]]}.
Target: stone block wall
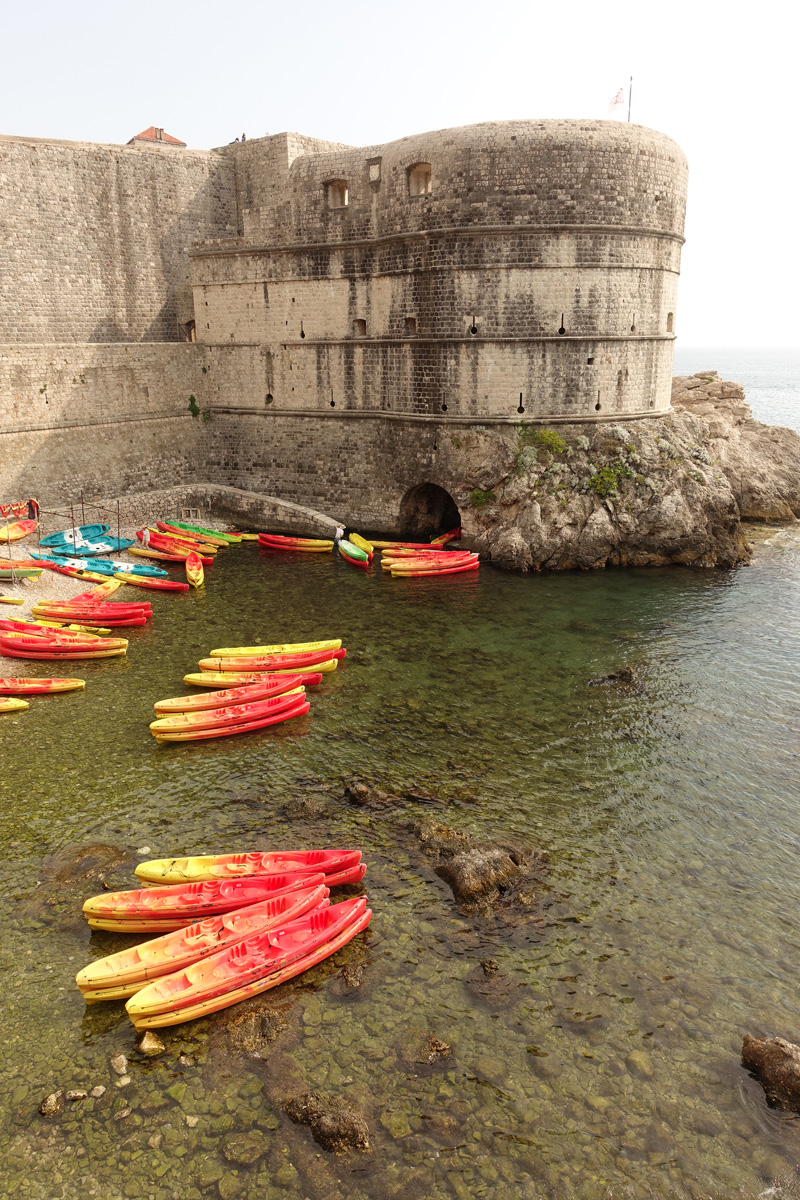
{"points": [[105, 419], [93, 238]]}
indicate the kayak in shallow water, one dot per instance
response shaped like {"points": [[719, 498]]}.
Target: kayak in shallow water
{"points": [[123, 974], [280, 648], [194, 570], [199, 867], [12, 704], [269, 662], [249, 961], [354, 555], [38, 687], [186, 902], [226, 679]]}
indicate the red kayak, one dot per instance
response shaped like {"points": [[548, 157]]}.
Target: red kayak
{"points": [[55, 639], [194, 901], [409, 574], [255, 988], [28, 629], [271, 685], [198, 867], [99, 622], [126, 972], [250, 960], [272, 662], [182, 550], [228, 714]]}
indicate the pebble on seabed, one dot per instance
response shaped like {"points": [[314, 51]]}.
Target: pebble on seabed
{"points": [[119, 1064]]}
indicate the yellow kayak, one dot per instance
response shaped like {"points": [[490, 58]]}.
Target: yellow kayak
{"points": [[225, 679], [283, 648], [249, 537], [189, 543], [361, 542], [12, 704], [11, 600]]}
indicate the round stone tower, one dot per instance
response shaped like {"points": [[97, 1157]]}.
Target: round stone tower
{"points": [[497, 272]]}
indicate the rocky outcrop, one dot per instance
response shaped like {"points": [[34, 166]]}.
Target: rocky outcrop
{"points": [[674, 489], [482, 876], [776, 1065]]}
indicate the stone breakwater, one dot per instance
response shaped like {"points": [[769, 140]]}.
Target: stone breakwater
{"points": [[674, 489]]}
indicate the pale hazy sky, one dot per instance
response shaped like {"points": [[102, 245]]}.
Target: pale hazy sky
{"points": [[720, 79]]}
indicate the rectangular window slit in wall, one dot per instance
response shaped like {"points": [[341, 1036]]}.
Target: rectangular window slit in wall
{"points": [[359, 328], [411, 326], [590, 361], [336, 193], [419, 179], [670, 322]]}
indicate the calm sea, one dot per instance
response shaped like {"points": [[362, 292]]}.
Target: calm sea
{"points": [[770, 375]]}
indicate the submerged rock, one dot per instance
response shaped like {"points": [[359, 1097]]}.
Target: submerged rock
{"points": [[73, 864], [334, 1123], [119, 1064], [481, 875], [776, 1064], [151, 1044], [52, 1105], [358, 793], [623, 675], [75, 1094], [254, 1030]]}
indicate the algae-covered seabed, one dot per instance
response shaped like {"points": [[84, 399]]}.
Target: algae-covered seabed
{"points": [[608, 1065]]}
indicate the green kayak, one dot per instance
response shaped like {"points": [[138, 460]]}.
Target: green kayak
{"points": [[20, 572]]}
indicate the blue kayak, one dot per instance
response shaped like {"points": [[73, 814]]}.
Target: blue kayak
{"points": [[102, 566], [68, 537], [89, 549]]}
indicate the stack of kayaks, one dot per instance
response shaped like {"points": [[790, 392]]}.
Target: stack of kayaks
{"points": [[276, 541], [92, 612], [354, 554], [231, 926], [194, 570], [59, 644], [405, 563], [86, 541], [253, 687], [176, 549]]}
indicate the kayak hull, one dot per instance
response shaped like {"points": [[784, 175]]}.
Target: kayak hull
{"points": [[227, 679], [231, 714], [276, 541], [195, 735], [284, 648], [12, 704]]}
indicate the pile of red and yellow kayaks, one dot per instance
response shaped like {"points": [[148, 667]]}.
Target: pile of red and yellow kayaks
{"points": [[404, 562], [90, 608], [276, 541], [356, 551], [254, 687], [58, 644], [231, 926]]}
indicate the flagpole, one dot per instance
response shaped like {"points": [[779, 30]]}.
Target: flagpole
{"points": [[630, 93]]}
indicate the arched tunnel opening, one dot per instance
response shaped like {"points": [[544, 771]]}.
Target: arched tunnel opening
{"points": [[427, 510]]}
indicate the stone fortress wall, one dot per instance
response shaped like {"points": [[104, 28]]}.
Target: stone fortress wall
{"points": [[341, 334]]}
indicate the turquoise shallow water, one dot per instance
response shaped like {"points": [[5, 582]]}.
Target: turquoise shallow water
{"points": [[607, 1061]]}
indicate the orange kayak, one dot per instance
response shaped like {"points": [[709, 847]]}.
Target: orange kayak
{"points": [[270, 685], [186, 541], [444, 538], [199, 867], [194, 570], [181, 550], [182, 903], [121, 975], [249, 961], [184, 535], [156, 555], [420, 573], [38, 687], [298, 709], [205, 1007], [272, 662], [17, 530], [228, 714]]}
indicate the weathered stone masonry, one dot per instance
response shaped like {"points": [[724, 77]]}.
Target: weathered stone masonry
{"points": [[352, 306]]}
